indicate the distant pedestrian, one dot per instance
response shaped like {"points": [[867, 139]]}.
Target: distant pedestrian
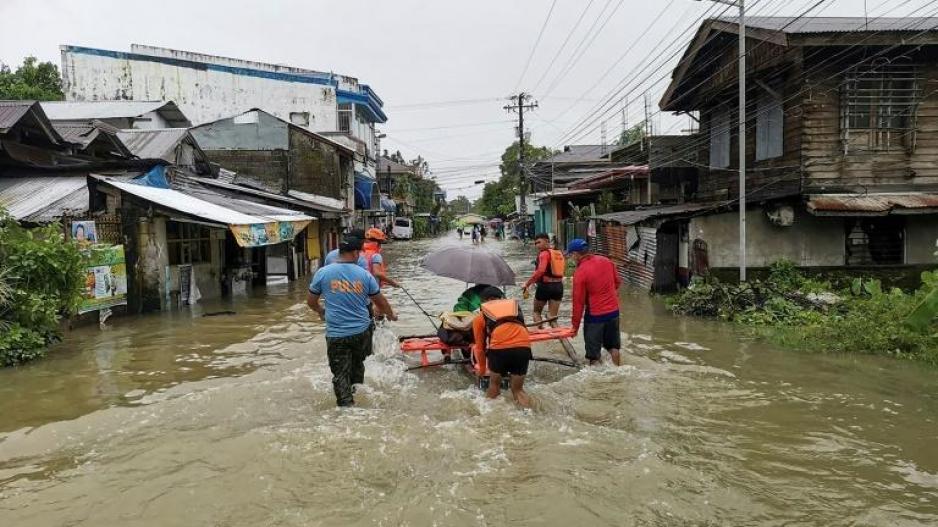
{"points": [[596, 288], [459, 231], [475, 234], [548, 275], [482, 232], [340, 294]]}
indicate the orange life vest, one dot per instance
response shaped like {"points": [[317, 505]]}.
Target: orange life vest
{"points": [[500, 312], [558, 264], [370, 250]]}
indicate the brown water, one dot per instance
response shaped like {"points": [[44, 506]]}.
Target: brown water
{"points": [[180, 419]]}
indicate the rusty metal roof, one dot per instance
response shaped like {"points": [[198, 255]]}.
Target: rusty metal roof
{"points": [[11, 112], [631, 217], [872, 204], [611, 177]]}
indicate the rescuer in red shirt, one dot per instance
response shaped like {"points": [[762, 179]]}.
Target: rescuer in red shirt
{"points": [[596, 288]]}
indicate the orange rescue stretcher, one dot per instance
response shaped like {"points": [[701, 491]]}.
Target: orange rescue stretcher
{"points": [[425, 344]]}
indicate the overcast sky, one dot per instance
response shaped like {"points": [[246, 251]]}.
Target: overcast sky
{"points": [[444, 68]]}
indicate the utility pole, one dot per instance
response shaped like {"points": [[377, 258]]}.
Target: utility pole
{"points": [[741, 4], [518, 103]]}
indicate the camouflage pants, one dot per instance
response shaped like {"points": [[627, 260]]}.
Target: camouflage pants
{"points": [[347, 363]]}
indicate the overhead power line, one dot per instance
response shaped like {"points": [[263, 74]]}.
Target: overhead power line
{"points": [[537, 41], [563, 46]]}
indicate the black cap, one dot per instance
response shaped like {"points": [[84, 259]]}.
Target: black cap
{"points": [[351, 243]]}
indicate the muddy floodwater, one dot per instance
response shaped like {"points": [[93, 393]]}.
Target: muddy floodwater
{"points": [[182, 419]]}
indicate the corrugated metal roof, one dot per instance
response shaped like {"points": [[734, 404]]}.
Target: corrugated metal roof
{"points": [[872, 204], [331, 204], [631, 217], [290, 200], [227, 214], [611, 177], [158, 143], [11, 112], [795, 25], [193, 187], [88, 110], [42, 199], [581, 153]]}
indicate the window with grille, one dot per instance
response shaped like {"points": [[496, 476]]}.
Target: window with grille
{"points": [[875, 241], [878, 107], [345, 117], [188, 243], [769, 126], [720, 140]]}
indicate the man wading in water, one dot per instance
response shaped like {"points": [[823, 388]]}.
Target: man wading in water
{"points": [[548, 275], [596, 287], [345, 289], [502, 344]]}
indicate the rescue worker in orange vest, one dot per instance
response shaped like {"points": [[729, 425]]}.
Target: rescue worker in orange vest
{"points": [[372, 252], [502, 345], [548, 275]]}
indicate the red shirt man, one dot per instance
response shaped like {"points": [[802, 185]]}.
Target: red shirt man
{"points": [[596, 290]]}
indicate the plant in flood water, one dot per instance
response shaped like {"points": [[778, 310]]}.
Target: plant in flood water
{"points": [[800, 312], [42, 280]]}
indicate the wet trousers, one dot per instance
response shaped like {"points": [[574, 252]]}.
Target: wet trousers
{"points": [[347, 363]]}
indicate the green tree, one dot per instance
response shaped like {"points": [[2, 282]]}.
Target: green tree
{"points": [[460, 205], [33, 80], [42, 279], [633, 134], [498, 197]]}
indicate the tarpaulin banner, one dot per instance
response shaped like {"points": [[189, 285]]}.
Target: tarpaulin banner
{"points": [[260, 234], [105, 278]]}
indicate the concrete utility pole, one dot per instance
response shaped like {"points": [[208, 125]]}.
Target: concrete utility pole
{"points": [[741, 4], [518, 104]]}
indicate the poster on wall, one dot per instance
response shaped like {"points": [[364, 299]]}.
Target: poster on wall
{"points": [[85, 233], [105, 278], [260, 234]]}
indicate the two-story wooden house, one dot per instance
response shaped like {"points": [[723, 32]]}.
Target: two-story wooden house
{"points": [[841, 142]]}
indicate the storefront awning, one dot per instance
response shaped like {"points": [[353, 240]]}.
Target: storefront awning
{"points": [[366, 192], [388, 204], [254, 225]]}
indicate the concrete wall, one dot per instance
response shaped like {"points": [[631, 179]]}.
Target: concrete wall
{"points": [[203, 94], [314, 166], [267, 166], [810, 241]]}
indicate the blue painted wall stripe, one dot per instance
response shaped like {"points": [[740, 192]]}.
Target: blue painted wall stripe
{"points": [[323, 80]]}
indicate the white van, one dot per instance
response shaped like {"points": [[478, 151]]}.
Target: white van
{"points": [[403, 229]]}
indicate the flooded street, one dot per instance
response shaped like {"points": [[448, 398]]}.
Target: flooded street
{"points": [[183, 419]]}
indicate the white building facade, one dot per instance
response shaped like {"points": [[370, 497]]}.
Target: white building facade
{"points": [[207, 88]]}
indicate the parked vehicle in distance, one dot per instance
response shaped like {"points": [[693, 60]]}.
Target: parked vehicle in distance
{"points": [[403, 229]]}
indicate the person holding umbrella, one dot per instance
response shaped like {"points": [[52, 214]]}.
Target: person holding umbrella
{"points": [[596, 290]]}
